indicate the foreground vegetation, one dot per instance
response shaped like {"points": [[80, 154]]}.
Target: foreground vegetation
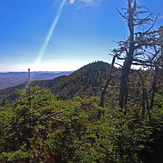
{"points": [[72, 132]]}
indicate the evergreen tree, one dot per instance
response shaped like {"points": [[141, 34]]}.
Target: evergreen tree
{"points": [[4, 100]]}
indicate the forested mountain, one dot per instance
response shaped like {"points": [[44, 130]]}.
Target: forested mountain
{"points": [[87, 81]]}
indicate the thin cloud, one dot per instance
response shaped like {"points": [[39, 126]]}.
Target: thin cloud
{"points": [[91, 2], [78, 8]]}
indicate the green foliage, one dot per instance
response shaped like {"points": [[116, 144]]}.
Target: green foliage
{"points": [[32, 121], [85, 82], [73, 133], [71, 130], [21, 126], [3, 101]]}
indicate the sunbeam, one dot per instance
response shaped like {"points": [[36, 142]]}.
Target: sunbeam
{"points": [[42, 51]]}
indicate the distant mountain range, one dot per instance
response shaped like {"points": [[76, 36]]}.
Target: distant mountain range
{"points": [[86, 81], [11, 79], [10, 92]]}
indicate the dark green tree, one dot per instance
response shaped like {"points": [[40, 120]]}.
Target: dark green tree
{"points": [[4, 100]]}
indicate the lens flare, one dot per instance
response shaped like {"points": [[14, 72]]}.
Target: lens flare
{"points": [[72, 1], [42, 51]]}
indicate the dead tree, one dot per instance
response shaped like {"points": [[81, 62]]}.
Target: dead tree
{"points": [[109, 78], [160, 33], [141, 48], [158, 63]]}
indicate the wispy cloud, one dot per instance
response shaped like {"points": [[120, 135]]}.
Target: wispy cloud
{"points": [[92, 2]]}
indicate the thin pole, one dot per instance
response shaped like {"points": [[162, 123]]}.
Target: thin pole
{"points": [[29, 80], [27, 160]]}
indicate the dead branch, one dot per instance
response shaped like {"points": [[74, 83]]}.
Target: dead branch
{"points": [[49, 116], [58, 120], [152, 24], [121, 13], [109, 78]]}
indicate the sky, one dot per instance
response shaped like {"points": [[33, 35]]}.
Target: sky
{"points": [[61, 35]]}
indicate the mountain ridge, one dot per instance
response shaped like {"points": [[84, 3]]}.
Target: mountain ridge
{"points": [[86, 81], [10, 79]]}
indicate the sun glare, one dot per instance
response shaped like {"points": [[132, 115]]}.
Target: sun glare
{"points": [[72, 1]]}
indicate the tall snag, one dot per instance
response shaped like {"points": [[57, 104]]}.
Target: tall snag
{"points": [[128, 61], [140, 48]]}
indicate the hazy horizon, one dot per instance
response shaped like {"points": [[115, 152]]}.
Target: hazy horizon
{"points": [[33, 71]]}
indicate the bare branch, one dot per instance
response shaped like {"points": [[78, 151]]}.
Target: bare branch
{"points": [[121, 14], [58, 120], [144, 64], [152, 25], [154, 56], [51, 114], [114, 86], [141, 21], [109, 78]]}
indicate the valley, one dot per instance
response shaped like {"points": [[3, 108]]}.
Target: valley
{"points": [[11, 79]]}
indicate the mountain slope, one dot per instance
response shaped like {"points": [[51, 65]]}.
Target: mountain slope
{"points": [[86, 81]]}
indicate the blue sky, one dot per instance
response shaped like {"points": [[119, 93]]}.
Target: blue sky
{"points": [[61, 35]]}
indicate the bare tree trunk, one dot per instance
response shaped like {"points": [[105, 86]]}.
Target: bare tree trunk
{"points": [[27, 160], [109, 78], [143, 98], [153, 88], [123, 96], [124, 83], [49, 155]]}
